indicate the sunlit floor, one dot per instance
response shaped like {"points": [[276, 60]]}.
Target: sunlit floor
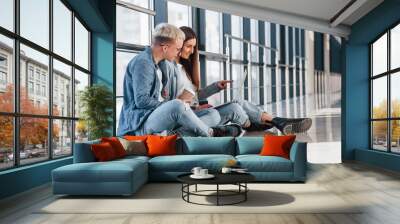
{"points": [[374, 191], [324, 136]]}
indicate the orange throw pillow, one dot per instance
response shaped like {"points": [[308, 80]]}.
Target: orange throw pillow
{"points": [[277, 145], [136, 138], [103, 152], [116, 145], [161, 145]]}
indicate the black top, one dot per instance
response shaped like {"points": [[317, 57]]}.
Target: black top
{"points": [[220, 178]]}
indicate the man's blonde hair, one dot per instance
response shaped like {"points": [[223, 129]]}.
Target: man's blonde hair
{"points": [[167, 33]]}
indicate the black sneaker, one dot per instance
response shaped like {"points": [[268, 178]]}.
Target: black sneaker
{"points": [[231, 130], [292, 125], [259, 127]]}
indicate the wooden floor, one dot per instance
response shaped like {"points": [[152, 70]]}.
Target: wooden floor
{"points": [[377, 188]]}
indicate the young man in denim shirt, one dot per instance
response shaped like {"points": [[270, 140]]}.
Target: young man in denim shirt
{"points": [[144, 111]]}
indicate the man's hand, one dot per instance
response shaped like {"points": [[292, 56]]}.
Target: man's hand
{"points": [[223, 84], [186, 96], [204, 106]]}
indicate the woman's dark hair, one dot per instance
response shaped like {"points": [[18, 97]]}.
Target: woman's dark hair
{"points": [[191, 65]]}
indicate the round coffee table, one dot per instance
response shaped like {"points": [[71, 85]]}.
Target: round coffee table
{"points": [[238, 179]]}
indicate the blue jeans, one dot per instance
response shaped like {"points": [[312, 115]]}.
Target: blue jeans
{"points": [[239, 111], [173, 113]]}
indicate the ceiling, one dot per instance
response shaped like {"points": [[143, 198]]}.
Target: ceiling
{"points": [[326, 16]]}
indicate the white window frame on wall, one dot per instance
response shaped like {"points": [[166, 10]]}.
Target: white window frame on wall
{"points": [[189, 11], [151, 13], [129, 47], [388, 73], [221, 38]]}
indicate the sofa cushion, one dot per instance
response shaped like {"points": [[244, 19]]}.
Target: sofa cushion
{"points": [[185, 163], [161, 145], [249, 145], [206, 145], [277, 145], [83, 152], [116, 170], [257, 163], [134, 147], [103, 152], [116, 145]]}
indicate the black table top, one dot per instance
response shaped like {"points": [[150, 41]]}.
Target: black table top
{"points": [[220, 178]]}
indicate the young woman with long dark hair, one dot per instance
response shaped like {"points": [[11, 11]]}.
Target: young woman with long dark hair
{"points": [[186, 86]]}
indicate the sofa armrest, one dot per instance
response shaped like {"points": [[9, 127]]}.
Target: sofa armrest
{"points": [[83, 152], [298, 155]]}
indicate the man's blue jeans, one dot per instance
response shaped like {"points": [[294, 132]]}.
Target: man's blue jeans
{"points": [[172, 114]]}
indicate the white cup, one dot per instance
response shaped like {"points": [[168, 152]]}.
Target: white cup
{"points": [[226, 170], [196, 171], [203, 172]]}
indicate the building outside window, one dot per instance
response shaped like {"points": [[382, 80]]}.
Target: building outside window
{"points": [[34, 95]]}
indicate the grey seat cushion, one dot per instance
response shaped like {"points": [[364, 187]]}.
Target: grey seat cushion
{"points": [[184, 163], [257, 163]]}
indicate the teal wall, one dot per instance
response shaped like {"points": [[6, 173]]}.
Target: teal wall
{"points": [[24, 178], [99, 16], [355, 102]]}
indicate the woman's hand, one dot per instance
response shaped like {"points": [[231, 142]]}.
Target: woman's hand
{"points": [[186, 96], [223, 84]]}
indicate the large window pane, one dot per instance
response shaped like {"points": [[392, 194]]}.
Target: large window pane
{"points": [[62, 138], [379, 135], [178, 14], [35, 21], [254, 38], [118, 109], [62, 29], [7, 14], [81, 81], [6, 142], [395, 47], [34, 72], [6, 74], [139, 30], [395, 95], [62, 89], [238, 81], [81, 45], [213, 32], [33, 139], [395, 136], [214, 74], [123, 59], [379, 98], [255, 91], [237, 46], [267, 85], [379, 55], [81, 131]]}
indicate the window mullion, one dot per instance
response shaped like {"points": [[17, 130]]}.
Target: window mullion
{"points": [[73, 81], [16, 84], [50, 81], [389, 101]]}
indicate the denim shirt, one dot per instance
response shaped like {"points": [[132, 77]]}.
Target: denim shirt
{"points": [[171, 72], [141, 91]]}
